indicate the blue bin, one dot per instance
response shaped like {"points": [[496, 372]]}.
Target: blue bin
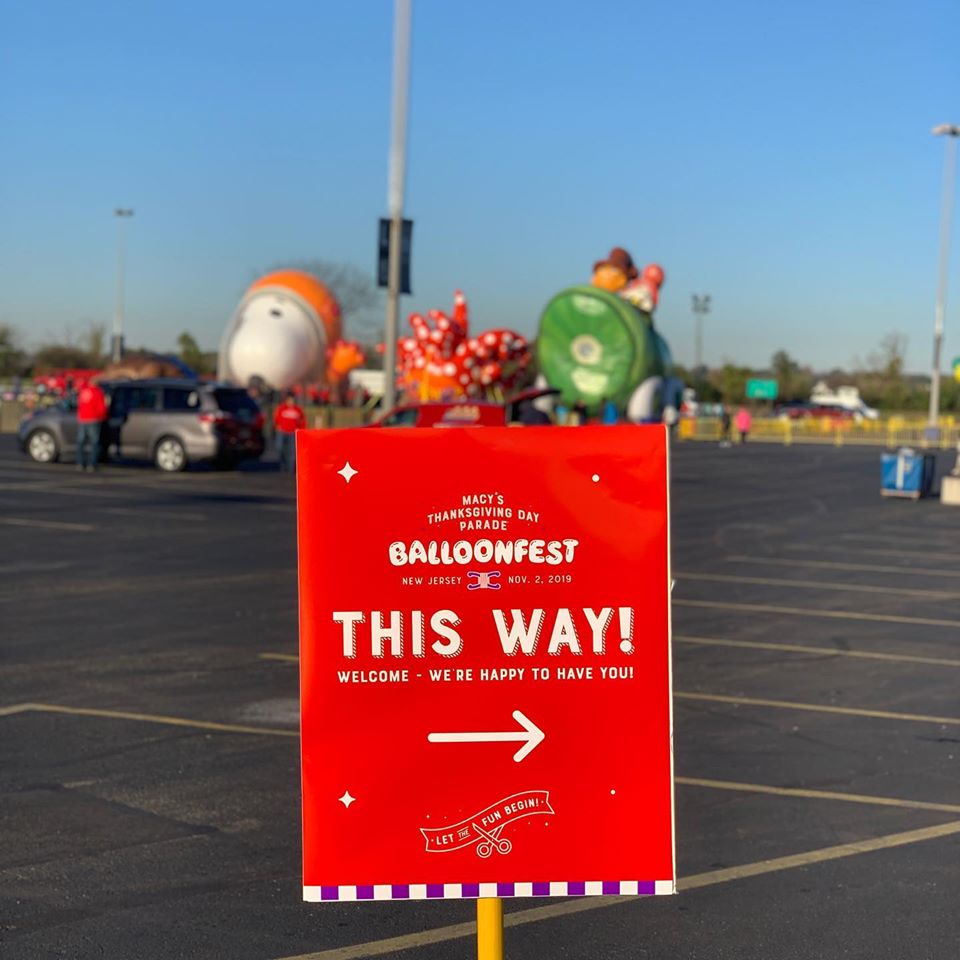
{"points": [[906, 474]]}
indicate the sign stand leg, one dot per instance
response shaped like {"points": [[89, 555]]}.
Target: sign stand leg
{"points": [[489, 928]]}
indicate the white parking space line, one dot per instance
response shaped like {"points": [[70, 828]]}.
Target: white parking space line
{"points": [[148, 513], [12, 475], [92, 487], [819, 795], [28, 567], [15, 708], [28, 485], [819, 585], [839, 565], [819, 708], [829, 614], [144, 584], [928, 555], [148, 718], [47, 524], [811, 651], [888, 534]]}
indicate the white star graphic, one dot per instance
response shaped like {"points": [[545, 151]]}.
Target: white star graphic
{"points": [[348, 473], [346, 799]]}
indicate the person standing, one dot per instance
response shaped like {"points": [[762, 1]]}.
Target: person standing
{"points": [[744, 422], [725, 426], [609, 413], [91, 416], [288, 419]]}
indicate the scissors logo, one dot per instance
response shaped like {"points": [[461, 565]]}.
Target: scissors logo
{"points": [[491, 841]]}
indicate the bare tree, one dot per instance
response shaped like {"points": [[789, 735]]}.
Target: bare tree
{"points": [[12, 358], [882, 382], [94, 341], [360, 299], [889, 359]]}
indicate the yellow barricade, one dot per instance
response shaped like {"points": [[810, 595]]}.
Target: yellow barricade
{"points": [[890, 432]]}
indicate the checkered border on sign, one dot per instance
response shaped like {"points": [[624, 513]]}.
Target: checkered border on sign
{"points": [[461, 891]]}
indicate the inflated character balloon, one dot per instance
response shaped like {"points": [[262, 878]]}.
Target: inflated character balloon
{"points": [[343, 357], [280, 332], [598, 344], [615, 272], [441, 361], [644, 291]]}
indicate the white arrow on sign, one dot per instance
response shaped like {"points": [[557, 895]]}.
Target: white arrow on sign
{"points": [[531, 735]]}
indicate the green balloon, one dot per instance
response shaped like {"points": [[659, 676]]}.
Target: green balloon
{"points": [[595, 346]]}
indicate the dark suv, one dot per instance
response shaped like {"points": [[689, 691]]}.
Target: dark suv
{"points": [[171, 422]]}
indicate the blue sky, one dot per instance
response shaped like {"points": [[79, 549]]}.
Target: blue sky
{"points": [[776, 156]]}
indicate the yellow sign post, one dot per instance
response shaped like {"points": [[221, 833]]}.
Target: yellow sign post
{"points": [[489, 928]]}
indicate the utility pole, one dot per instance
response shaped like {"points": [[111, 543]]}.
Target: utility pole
{"points": [[395, 191], [116, 341], [951, 132], [701, 307]]}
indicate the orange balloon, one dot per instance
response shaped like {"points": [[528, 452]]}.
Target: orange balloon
{"points": [[310, 289]]}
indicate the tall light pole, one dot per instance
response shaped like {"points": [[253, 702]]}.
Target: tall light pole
{"points": [[951, 132], [701, 307], [395, 191], [116, 341]]}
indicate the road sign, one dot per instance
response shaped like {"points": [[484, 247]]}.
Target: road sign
{"points": [[383, 255], [762, 390], [485, 662]]}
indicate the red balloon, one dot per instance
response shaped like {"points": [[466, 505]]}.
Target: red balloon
{"points": [[653, 273]]}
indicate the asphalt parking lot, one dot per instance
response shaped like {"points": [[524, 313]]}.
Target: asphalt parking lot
{"points": [[149, 797]]}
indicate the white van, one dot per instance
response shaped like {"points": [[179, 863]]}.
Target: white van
{"points": [[846, 397]]}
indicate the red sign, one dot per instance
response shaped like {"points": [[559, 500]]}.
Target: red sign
{"points": [[485, 662]]}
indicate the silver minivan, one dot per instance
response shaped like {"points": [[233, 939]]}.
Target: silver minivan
{"points": [[171, 422]]}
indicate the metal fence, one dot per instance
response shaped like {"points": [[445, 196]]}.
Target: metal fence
{"points": [[889, 432]]}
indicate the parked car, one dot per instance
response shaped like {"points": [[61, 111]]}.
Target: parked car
{"points": [[520, 408], [794, 410], [467, 413], [171, 422], [813, 411]]}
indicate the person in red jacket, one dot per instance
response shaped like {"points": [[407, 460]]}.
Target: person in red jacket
{"points": [[91, 416], [288, 419]]}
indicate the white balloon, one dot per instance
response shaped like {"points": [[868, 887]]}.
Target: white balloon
{"points": [[275, 337], [646, 401]]}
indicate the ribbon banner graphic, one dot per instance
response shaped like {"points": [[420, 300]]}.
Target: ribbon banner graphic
{"points": [[484, 828]]}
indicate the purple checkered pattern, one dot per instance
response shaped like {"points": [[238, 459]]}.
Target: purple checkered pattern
{"points": [[460, 891]]}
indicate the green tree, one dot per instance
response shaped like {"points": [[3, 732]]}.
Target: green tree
{"points": [[190, 352], [13, 360], [698, 381], [793, 381], [731, 382], [200, 361], [949, 395]]}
